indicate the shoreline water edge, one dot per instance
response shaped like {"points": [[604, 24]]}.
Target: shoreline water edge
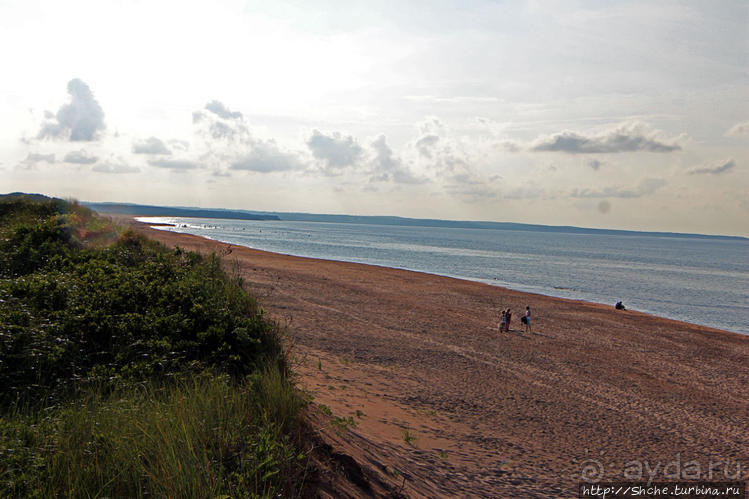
{"points": [[654, 301]]}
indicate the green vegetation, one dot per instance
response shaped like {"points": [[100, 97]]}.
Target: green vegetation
{"points": [[342, 424], [132, 370], [408, 437]]}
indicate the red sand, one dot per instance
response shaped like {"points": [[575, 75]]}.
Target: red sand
{"points": [[446, 406]]}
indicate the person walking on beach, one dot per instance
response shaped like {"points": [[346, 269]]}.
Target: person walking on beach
{"points": [[528, 319], [502, 321], [508, 316]]}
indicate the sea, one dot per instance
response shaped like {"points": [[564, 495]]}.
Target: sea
{"points": [[701, 280]]}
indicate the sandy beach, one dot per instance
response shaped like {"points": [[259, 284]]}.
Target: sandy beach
{"points": [[442, 405]]}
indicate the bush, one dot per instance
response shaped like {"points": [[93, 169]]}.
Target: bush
{"points": [[133, 370], [130, 311]]}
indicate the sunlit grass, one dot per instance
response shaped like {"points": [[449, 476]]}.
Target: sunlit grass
{"points": [[201, 436]]}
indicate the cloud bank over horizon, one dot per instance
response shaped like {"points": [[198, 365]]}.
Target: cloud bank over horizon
{"points": [[506, 112]]}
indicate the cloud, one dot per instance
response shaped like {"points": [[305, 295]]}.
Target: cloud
{"points": [[265, 157], [430, 131], [387, 167], [431, 125], [182, 145], [336, 151], [220, 123], [151, 145], [80, 120], [220, 110], [80, 158], [228, 140], [739, 129], [450, 163], [720, 168], [116, 168], [645, 187], [631, 137], [218, 129], [32, 159], [174, 164], [425, 144]]}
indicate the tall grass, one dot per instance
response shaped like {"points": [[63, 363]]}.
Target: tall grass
{"points": [[200, 436]]}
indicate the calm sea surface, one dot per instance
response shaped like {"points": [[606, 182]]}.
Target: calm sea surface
{"points": [[699, 280]]}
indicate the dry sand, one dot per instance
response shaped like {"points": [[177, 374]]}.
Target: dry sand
{"points": [[446, 406]]}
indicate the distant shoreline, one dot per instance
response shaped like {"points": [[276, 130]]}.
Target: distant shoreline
{"points": [[532, 288], [217, 242], [220, 213]]}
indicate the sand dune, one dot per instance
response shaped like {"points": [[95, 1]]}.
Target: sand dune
{"points": [[443, 405]]}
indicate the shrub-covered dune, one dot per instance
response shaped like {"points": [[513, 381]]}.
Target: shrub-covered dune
{"points": [[130, 370]]}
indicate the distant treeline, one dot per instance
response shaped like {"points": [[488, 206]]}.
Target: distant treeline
{"points": [[166, 211], [124, 208]]}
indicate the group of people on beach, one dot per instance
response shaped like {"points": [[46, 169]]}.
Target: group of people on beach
{"points": [[504, 321]]}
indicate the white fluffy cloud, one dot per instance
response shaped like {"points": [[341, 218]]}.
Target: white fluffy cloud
{"points": [[175, 164], [220, 123], [715, 169], [80, 120], [335, 151], [219, 109], [388, 167], [80, 157], [425, 144], [32, 159], [628, 137], [739, 130], [228, 140], [151, 145], [266, 157]]}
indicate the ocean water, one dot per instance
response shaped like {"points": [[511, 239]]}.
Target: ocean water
{"points": [[699, 280]]}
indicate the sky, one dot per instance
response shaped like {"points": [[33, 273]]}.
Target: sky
{"points": [[622, 115]]}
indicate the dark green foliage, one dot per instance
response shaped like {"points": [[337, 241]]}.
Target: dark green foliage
{"points": [[134, 371], [134, 310], [31, 233]]}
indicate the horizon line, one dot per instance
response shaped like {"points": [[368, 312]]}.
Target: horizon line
{"points": [[415, 219]]}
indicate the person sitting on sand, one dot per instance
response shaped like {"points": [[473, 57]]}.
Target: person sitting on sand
{"points": [[619, 306], [508, 316], [502, 321]]}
